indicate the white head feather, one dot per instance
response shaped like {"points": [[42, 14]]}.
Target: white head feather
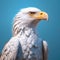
{"points": [[23, 19]]}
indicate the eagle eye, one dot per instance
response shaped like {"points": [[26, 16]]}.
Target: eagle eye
{"points": [[32, 12]]}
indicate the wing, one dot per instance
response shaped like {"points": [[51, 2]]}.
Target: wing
{"points": [[45, 50], [10, 50]]}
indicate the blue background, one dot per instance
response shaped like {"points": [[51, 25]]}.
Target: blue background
{"points": [[48, 30]]}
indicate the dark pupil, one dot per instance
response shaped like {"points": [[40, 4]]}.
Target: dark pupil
{"points": [[32, 12]]}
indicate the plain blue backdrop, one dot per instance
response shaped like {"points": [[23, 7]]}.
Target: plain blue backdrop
{"points": [[48, 30]]}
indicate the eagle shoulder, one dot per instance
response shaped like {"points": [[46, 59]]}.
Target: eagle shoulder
{"points": [[10, 50]]}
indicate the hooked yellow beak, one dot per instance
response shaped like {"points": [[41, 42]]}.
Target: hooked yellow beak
{"points": [[41, 16]]}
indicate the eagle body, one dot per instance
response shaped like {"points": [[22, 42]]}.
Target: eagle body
{"points": [[25, 43], [31, 46]]}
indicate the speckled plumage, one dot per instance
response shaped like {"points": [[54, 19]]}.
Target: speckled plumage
{"points": [[25, 44]]}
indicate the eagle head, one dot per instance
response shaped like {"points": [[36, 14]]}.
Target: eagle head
{"points": [[28, 17]]}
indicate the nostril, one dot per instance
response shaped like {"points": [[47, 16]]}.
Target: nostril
{"points": [[41, 13]]}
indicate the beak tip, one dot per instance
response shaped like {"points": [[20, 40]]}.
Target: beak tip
{"points": [[47, 17]]}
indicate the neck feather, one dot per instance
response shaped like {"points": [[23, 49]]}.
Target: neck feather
{"points": [[19, 28]]}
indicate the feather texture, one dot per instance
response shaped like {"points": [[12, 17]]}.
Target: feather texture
{"points": [[25, 44]]}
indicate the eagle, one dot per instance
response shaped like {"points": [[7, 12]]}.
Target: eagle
{"points": [[25, 43]]}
